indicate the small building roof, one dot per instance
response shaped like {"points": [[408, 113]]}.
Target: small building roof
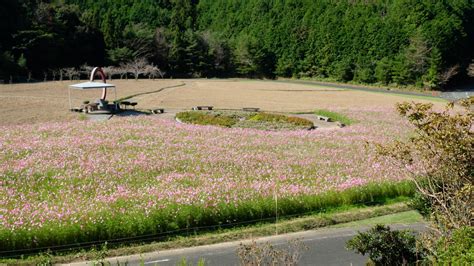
{"points": [[91, 85]]}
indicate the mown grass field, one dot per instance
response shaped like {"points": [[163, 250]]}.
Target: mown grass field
{"points": [[29, 103], [81, 181]]}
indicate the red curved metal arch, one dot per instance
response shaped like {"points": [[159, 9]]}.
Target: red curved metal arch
{"points": [[98, 70]]}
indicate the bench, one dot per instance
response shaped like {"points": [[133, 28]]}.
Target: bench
{"points": [[90, 107], [128, 103], [157, 111], [250, 109], [325, 118], [341, 125], [204, 107]]}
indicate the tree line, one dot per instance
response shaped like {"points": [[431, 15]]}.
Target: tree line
{"points": [[406, 42]]}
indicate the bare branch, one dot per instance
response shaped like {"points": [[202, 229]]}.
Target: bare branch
{"points": [[450, 72], [137, 67]]}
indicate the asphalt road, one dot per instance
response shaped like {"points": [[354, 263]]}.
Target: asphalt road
{"points": [[325, 247]]}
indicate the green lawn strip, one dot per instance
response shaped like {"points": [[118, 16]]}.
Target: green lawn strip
{"points": [[413, 97], [406, 217], [340, 215], [335, 116], [332, 115]]}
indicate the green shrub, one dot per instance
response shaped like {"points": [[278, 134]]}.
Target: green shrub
{"points": [[265, 125], [335, 116], [458, 249], [386, 247], [281, 119], [383, 71], [201, 118], [365, 75], [422, 204], [299, 121], [239, 119]]}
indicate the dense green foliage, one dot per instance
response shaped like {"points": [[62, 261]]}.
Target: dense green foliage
{"points": [[386, 247], [201, 118], [41, 37], [397, 41], [282, 119], [457, 249], [169, 220], [243, 119]]}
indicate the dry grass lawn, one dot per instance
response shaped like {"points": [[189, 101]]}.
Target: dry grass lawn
{"points": [[48, 101]]}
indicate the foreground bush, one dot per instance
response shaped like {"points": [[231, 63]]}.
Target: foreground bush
{"points": [[386, 247], [457, 249], [440, 158]]}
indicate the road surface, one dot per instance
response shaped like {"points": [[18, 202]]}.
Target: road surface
{"points": [[325, 247]]}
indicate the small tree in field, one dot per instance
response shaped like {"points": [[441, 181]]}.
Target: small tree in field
{"points": [[110, 71], [137, 67], [85, 70], [440, 157], [70, 72], [153, 71]]}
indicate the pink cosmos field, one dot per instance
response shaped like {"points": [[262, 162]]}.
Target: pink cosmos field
{"points": [[58, 175]]}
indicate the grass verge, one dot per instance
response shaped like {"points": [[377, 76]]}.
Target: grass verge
{"points": [[426, 98], [395, 211], [374, 87], [406, 217], [335, 116]]}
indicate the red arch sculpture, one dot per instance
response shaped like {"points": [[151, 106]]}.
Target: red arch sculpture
{"points": [[98, 70]]}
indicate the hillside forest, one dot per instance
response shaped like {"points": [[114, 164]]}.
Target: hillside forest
{"points": [[421, 43]]}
